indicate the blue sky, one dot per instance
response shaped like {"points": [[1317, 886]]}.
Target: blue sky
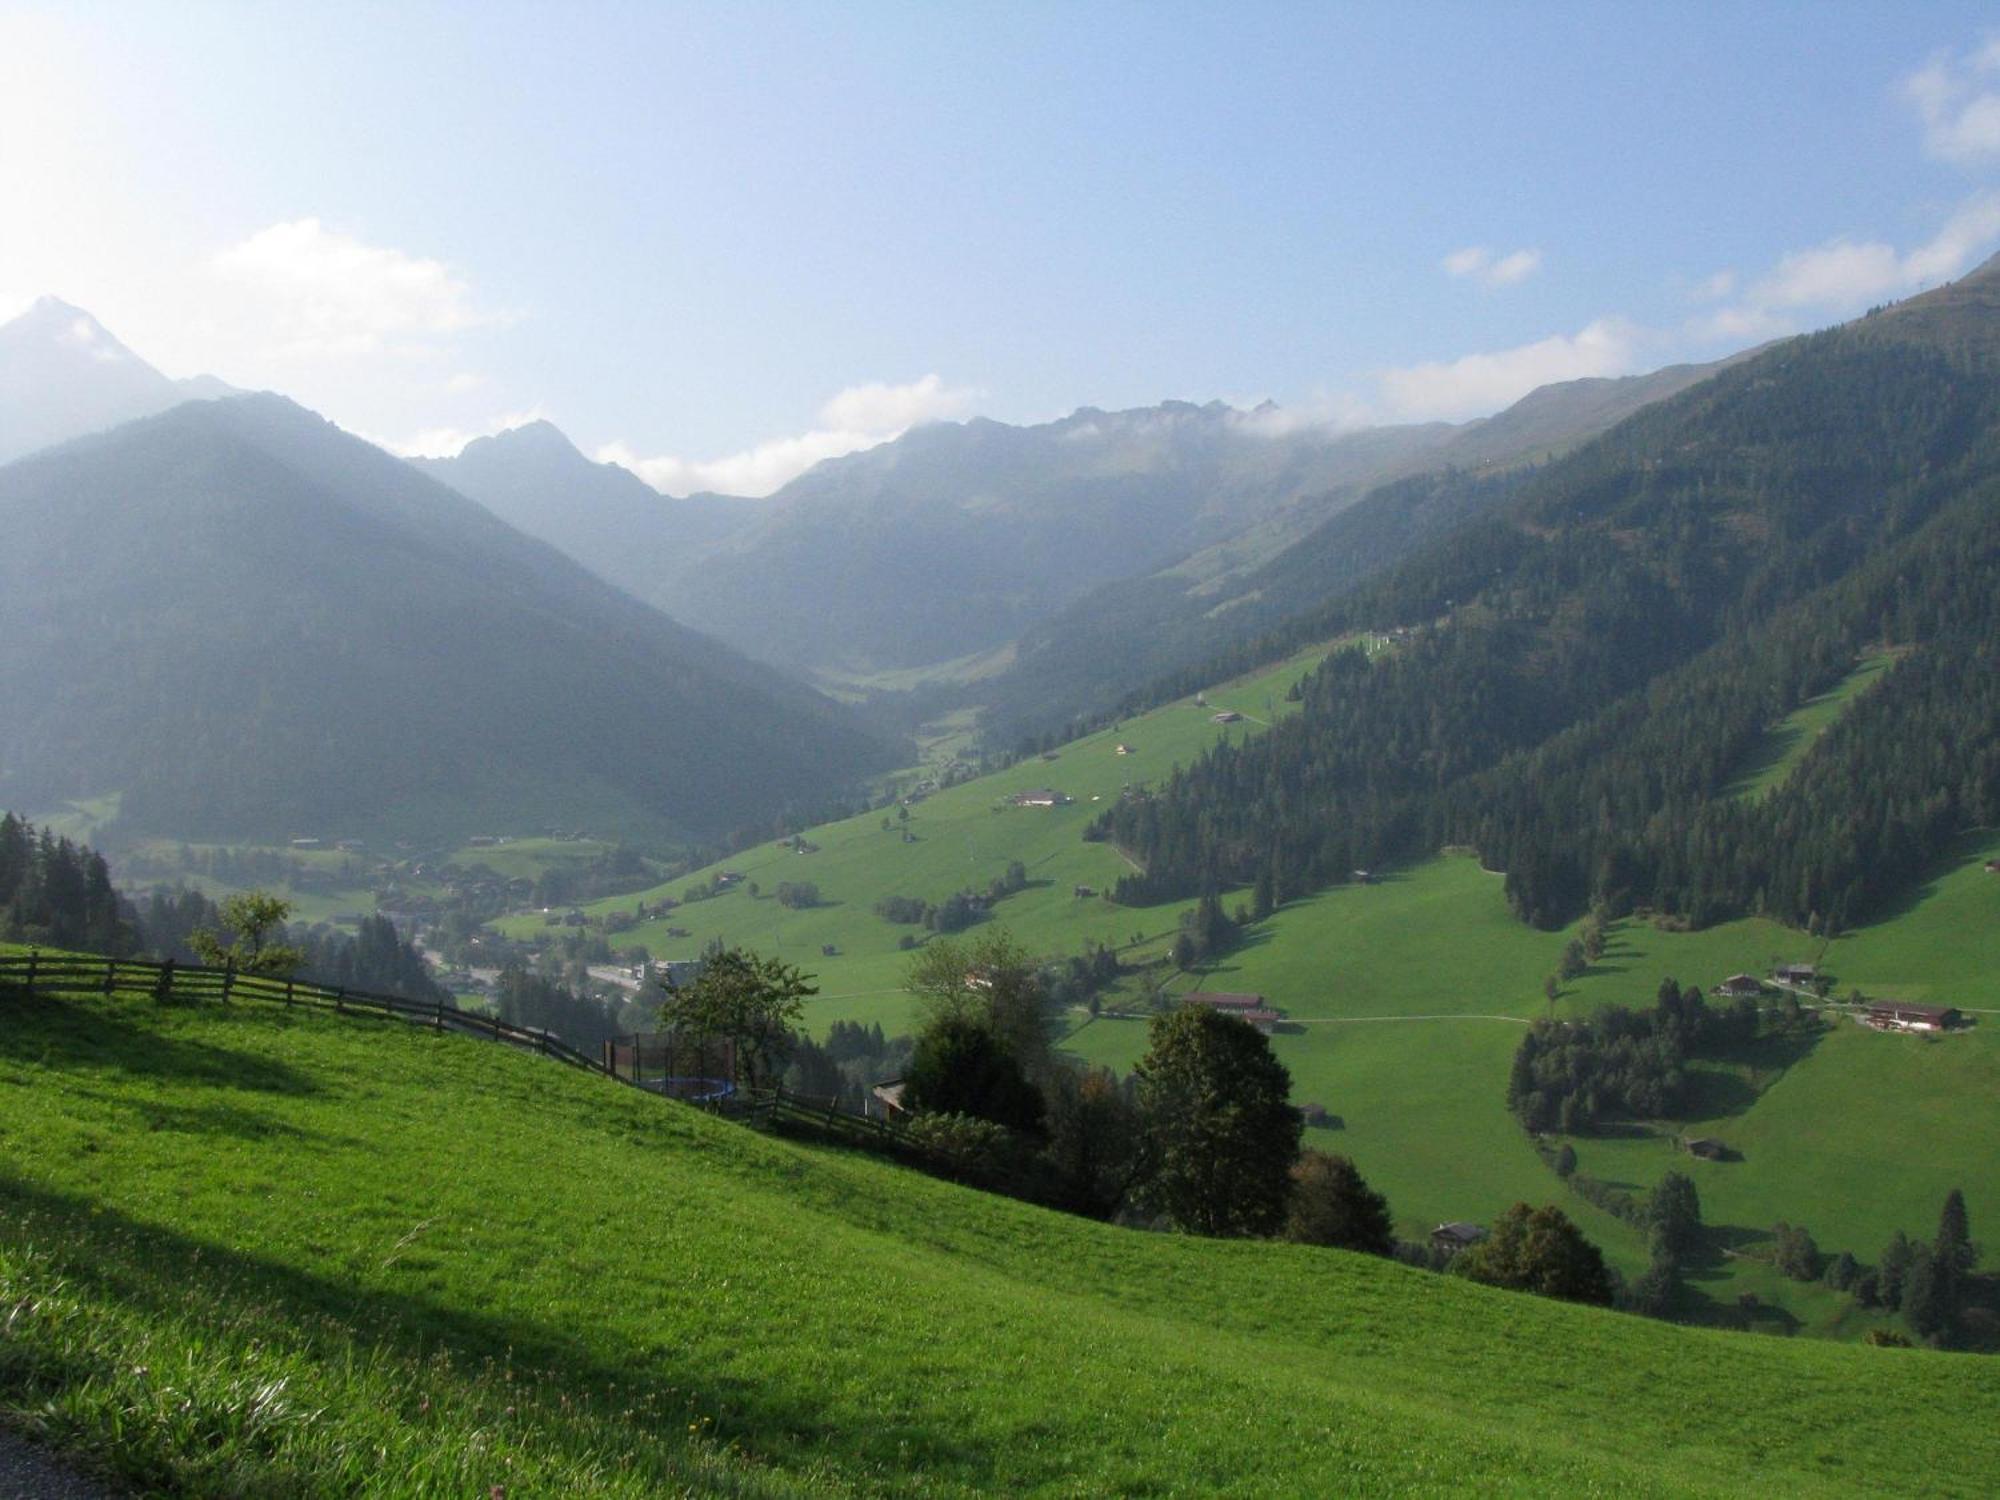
{"points": [[720, 242]]}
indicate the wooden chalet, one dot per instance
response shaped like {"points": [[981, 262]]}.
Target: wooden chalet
{"points": [[1740, 987], [1457, 1235], [1796, 973], [1254, 1009], [1038, 797], [1907, 1015], [1707, 1147]]}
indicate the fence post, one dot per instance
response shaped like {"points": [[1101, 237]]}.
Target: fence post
{"points": [[340, 999], [440, 1015], [228, 979], [34, 958], [288, 990], [163, 983]]}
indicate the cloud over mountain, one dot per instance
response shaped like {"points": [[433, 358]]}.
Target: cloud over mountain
{"points": [[859, 417]]}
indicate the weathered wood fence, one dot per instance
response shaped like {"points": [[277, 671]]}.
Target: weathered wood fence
{"points": [[37, 973]]}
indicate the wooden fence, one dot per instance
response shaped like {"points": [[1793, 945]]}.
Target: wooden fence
{"points": [[38, 973]]}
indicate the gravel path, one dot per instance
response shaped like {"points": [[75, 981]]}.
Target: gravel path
{"points": [[31, 1473]]}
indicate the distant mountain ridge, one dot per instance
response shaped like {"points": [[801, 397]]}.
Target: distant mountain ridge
{"points": [[254, 626], [62, 375], [961, 538], [606, 517]]}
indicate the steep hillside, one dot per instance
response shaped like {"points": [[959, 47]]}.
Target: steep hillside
{"points": [[1590, 662], [254, 626], [62, 375], [260, 1252], [1123, 635]]}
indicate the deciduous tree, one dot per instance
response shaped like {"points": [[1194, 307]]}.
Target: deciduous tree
{"points": [[1221, 1131]]}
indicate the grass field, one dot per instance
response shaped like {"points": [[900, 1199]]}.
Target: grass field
{"points": [[254, 1252], [962, 836], [1409, 997], [1862, 1133]]}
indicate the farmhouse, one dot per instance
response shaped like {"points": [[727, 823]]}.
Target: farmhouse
{"points": [[1457, 1235], [1993, 867], [1741, 987], [1224, 1000], [1125, 749], [1707, 1147], [1227, 716], [890, 1096], [1039, 797], [1797, 973], [1907, 1015], [1245, 1007]]}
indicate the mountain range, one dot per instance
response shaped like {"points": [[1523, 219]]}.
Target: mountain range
{"points": [[251, 625], [933, 555]]}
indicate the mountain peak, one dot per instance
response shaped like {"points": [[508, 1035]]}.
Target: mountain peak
{"points": [[537, 439], [52, 320]]}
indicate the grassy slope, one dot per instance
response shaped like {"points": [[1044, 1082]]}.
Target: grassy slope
{"points": [[1410, 996], [1787, 741], [469, 1267], [1863, 1133], [965, 836]]}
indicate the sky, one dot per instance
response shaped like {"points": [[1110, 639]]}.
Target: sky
{"points": [[720, 243]]}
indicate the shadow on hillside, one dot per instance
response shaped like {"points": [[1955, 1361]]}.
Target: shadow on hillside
{"points": [[1771, 750], [1769, 1058], [108, 1256], [55, 1033], [1715, 1092], [217, 1118], [1966, 848]]}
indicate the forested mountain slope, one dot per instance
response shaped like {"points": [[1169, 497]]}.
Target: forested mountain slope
{"points": [[1589, 662], [255, 626], [1122, 635]]}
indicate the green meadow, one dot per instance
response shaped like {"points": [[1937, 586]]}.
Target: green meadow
{"points": [[1857, 1134], [257, 1252], [962, 836]]}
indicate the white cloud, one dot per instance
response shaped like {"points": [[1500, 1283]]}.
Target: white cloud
{"points": [[862, 416], [1843, 275], [1332, 412], [1477, 263], [449, 442], [1958, 99], [1714, 288], [1479, 383], [327, 294]]}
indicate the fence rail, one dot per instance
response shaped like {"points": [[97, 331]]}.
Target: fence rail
{"points": [[36, 973], [74, 974]]}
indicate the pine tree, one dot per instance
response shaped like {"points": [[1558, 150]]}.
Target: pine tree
{"points": [[1953, 1246]]}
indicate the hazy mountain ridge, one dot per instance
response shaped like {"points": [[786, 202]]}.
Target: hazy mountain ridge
{"points": [[604, 516], [63, 375], [959, 538], [255, 625]]}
